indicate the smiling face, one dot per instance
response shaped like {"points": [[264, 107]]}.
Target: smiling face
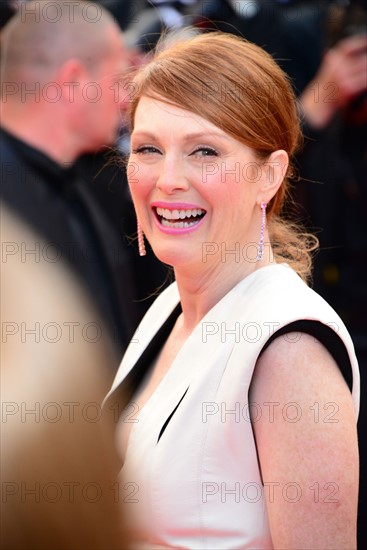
{"points": [[192, 184]]}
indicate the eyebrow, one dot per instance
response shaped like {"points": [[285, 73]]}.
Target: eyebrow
{"points": [[186, 137]]}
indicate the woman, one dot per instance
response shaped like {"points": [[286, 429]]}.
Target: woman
{"points": [[240, 432]]}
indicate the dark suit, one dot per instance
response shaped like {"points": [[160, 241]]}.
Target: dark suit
{"points": [[57, 204]]}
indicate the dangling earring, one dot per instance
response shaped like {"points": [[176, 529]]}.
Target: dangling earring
{"points": [[141, 245], [262, 231]]}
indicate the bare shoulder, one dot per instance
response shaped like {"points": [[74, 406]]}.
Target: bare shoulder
{"points": [[307, 444], [298, 365]]}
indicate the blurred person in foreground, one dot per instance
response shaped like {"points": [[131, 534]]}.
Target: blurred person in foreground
{"points": [[58, 465], [239, 339], [60, 99]]}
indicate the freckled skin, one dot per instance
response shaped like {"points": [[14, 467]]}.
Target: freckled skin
{"points": [[318, 452]]}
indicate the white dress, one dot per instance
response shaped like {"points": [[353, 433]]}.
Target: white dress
{"points": [[191, 455]]}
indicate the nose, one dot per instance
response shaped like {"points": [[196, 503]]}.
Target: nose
{"points": [[172, 178]]}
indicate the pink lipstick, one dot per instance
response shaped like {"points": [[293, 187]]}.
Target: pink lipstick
{"points": [[177, 217]]}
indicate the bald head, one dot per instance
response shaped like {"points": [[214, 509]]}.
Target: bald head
{"points": [[44, 35], [60, 67]]}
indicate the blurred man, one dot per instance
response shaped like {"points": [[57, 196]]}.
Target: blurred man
{"points": [[60, 69]]}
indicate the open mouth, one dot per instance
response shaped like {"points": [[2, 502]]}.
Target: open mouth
{"points": [[179, 219]]}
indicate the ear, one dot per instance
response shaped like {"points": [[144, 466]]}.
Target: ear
{"points": [[72, 77], [274, 170]]}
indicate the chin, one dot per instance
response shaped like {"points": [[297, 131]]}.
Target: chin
{"points": [[175, 256]]}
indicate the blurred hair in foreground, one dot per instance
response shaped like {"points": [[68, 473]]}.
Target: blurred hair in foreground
{"points": [[58, 465]]}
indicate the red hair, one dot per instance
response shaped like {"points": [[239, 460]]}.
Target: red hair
{"points": [[239, 88]]}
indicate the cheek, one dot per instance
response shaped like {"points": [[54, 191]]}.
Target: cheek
{"points": [[143, 175], [221, 190], [140, 180], [109, 107]]}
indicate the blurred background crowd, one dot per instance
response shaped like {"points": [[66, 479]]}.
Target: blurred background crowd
{"points": [[69, 253]]}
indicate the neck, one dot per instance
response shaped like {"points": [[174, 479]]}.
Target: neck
{"points": [[41, 129], [200, 293]]}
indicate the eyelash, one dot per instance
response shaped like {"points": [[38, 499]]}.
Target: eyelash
{"points": [[145, 149], [211, 152]]}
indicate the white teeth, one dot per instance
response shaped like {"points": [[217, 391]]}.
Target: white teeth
{"points": [[178, 225], [179, 214]]}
